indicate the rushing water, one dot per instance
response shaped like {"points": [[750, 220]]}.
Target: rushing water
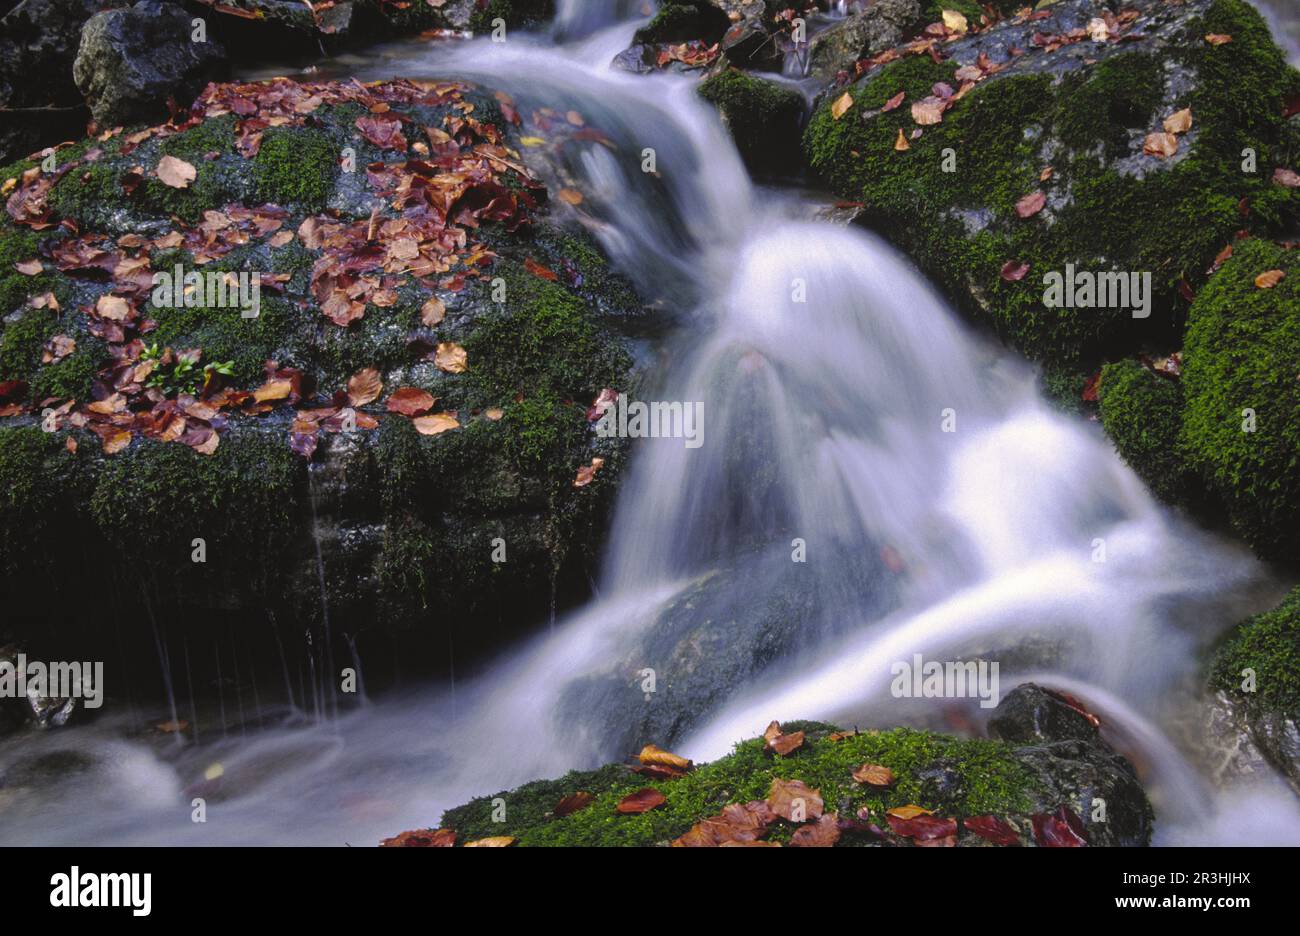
{"points": [[828, 367]]}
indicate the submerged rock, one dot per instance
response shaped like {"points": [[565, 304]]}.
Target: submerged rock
{"points": [[1042, 786]]}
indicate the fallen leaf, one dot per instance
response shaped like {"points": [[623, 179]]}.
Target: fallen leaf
{"points": [[422, 838], [652, 754], [436, 423], [1269, 279], [450, 357], [433, 311], [535, 268], [410, 401], [641, 801], [841, 105], [364, 386], [955, 20], [174, 172], [1013, 271], [494, 841], [29, 267], [1286, 178], [1098, 31], [1162, 145], [572, 804], [1217, 39], [874, 775], [1179, 122], [587, 473], [909, 812], [928, 111], [1062, 829], [893, 102], [992, 829], [901, 144], [494, 413], [790, 798], [736, 825], [922, 827], [113, 308], [823, 833], [1031, 204]]}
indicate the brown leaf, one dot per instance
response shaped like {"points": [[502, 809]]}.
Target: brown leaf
{"points": [[1031, 204], [113, 308], [1162, 145], [893, 102], [1217, 39], [652, 754], [410, 401], [570, 196], [29, 267], [641, 801], [786, 744], [735, 825], [1013, 271], [573, 803], [874, 775], [174, 172], [432, 312], [494, 841], [422, 838], [841, 105], [587, 473], [909, 812], [1269, 279], [922, 827], [901, 144], [788, 798], [1179, 122], [436, 423], [823, 833], [535, 268], [1286, 178], [450, 357], [277, 388], [928, 111], [364, 386]]}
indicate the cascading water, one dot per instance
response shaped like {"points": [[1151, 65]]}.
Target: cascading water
{"points": [[830, 374]]}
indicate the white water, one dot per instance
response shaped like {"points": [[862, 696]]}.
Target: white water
{"points": [[823, 421]]}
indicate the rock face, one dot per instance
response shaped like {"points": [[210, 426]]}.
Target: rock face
{"points": [[765, 120], [882, 25], [1042, 783], [326, 509], [131, 61]]}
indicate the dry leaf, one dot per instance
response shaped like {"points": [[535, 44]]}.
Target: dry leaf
{"points": [[364, 386], [841, 105], [823, 833], [1179, 122], [570, 196], [641, 801], [410, 401], [1031, 204], [587, 473], [436, 423], [494, 841], [1162, 145], [893, 102], [928, 111], [432, 312], [1217, 39], [790, 798], [652, 754], [1286, 178], [955, 21], [572, 803], [29, 267], [901, 144], [175, 172], [450, 357], [909, 812], [1269, 279], [874, 775], [422, 838]]}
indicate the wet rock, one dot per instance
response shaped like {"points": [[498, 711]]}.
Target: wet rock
{"points": [[1029, 714], [880, 26], [748, 44], [131, 61], [683, 21], [764, 119]]}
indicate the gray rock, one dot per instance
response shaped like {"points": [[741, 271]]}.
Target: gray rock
{"points": [[880, 26], [131, 61]]}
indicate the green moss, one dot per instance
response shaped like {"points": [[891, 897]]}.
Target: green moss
{"points": [[762, 116], [224, 334], [16, 245], [71, 378], [1243, 353], [540, 428], [42, 489], [20, 345], [1142, 414], [1269, 644], [681, 22], [991, 781], [295, 167], [1119, 96], [515, 13], [154, 498]]}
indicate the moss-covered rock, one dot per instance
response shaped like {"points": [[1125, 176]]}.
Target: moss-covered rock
{"points": [[1257, 670], [956, 778], [1241, 427], [684, 20], [1083, 111], [764, 119], [1142, 413], [407, 525]]}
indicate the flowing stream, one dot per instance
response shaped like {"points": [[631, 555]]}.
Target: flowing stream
{"points": [[829, 371]]}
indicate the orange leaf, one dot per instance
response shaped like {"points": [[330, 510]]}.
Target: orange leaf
{"points": [[436, 423], [651, 754], [1179, 122], [572, 803], [794, 798], [841, 105], [432, 312], [874, 775], [641, 801], [909, 812], [174, 172], [495, 841], [450, 357], [1269, 279], [364, 386], [1162, 145], [410, 401], [422, 838], [901, 144]]}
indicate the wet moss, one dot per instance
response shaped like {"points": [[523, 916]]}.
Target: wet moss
{"points": [[224, 334], [1142, 414], [16, 245], [295, 167], [991, 781], [1269, 645], [42, 489], [763, 117], [515, 14], [683, 21], [71, 378], [1241, 428]]}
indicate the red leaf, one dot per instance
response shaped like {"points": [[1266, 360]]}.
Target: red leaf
{"points": [[992, 829], [1013, 271], [922, 828], [641, 801], [1062, 829], [1031, 204], [535, 268]]}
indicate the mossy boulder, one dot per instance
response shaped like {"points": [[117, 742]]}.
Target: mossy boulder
{"points": [[684, 20], [1070, 120], [362, 530], [1257, 671], [1142, 412], [1035, 772], [1241, 383], [765, 119]]}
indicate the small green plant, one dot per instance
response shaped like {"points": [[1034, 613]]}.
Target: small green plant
{"points": [[177, 373]]}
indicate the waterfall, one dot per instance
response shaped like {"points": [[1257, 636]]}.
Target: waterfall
{"points": [[846, 408]]}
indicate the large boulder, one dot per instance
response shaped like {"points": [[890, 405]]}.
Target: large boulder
{"points": [[132, 61], [401, 245], [1041, 784], [882, 25], [1040, 142], [764, 118]]}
